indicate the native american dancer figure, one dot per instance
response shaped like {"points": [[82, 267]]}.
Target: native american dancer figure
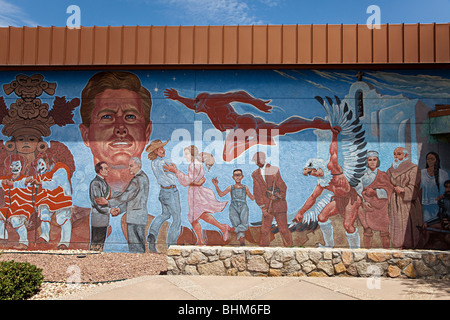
{"points": [[19, 201], [54, 196], [336, 191], [243, 130]]}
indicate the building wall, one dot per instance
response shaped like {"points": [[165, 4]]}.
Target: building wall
{"points": [[229, 115]]}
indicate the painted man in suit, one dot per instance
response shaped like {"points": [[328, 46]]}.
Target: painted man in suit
{"points": [[100, 214], [135, 197], [269, 190]]}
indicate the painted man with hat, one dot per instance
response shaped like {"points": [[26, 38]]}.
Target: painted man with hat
{"points": [[168, 196]]}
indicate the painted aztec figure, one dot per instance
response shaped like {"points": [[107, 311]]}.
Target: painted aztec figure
{"points": [[138, 161]]}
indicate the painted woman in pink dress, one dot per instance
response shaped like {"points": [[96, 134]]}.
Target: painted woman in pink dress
{"points": [[202, 201]]}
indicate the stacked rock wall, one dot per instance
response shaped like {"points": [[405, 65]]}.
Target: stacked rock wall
{"points": [[249, 261]]}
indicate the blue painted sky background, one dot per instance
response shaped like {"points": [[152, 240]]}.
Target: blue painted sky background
{"points": [[219, 12]]}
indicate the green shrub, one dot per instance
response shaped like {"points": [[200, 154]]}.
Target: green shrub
{"points": [[19, 280]]}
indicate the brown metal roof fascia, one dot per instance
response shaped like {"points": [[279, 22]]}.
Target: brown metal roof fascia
{"points": [[225, 46]]}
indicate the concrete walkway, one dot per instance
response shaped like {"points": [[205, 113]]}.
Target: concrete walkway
{"points": [[169, 287]]}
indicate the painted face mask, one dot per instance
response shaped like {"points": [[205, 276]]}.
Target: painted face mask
{"points": [[320, 164], [41, 166], [16, 167]]}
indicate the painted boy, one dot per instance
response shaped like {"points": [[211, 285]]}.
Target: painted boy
{"points": [[238, 207]]}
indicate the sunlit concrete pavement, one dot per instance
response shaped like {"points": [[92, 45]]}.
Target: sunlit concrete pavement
{"points": [[169, 287]]}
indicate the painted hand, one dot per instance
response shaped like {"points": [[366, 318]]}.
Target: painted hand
{"points": [[299, 217], [399, 190], [9, 183], [336, 129], [115, 212], [263, 105], [101, 201], [171, 168], [171, 94]]}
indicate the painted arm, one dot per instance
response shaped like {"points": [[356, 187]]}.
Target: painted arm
{"points": [[333, 164], [95, 192], [244, 97], [249, 194], [282, 185], [129, 194], [22, 184], [309, 203], [199, 182], [220, 192], [412, 187], [261, 200], [60, 179], [173, 95], [189, 179], [183, 179]]}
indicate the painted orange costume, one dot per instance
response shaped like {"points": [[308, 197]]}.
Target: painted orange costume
{"points": [[18, 208], [55, 199], [18, 201]]}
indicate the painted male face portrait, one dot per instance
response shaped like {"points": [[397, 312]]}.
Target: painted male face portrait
{"points": [[399, 154], [133, 167], [238, 176], [372, 163], [118, 130], [161, 152], [260, 159], [104, 171], [447, 189]]}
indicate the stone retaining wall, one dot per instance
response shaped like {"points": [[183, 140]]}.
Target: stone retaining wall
{"points": [[312, 262]]}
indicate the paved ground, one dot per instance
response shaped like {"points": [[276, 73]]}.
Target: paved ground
{"points": [[164, 287]]}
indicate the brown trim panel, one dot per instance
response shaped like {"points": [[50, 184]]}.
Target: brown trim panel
{"points": [[313, 45]]}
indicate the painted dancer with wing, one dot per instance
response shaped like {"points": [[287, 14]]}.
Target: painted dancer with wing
{"points": [[336, 191]]}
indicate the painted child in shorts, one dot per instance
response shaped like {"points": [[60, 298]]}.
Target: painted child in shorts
{"points": [[238, 206]]}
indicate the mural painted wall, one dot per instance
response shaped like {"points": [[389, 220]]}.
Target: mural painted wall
{"points": [[136, 161]]}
